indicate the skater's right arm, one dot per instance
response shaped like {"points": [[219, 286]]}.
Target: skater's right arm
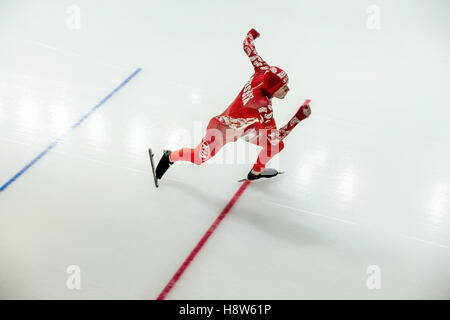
{"points": [[249, 48], [303, 112], [274, 135]]}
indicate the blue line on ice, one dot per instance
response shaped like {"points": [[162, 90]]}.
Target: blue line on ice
{"points": [[76, 125]]}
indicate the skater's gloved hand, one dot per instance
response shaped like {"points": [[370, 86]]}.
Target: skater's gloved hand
{"points": [[255, 34], [303, 112]]}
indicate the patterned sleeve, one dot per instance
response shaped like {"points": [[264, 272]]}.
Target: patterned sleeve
{"points": [[249, 48]]}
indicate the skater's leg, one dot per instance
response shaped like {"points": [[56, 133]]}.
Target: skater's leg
{"points": [[208, 147], [270, 148], [211, 143], [268, 152], [184, 154]]}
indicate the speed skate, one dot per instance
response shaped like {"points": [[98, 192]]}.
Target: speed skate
{"points": [[151, 154], [266, 173]]}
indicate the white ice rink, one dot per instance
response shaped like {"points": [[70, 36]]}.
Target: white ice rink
{"points": [[367, 178]]}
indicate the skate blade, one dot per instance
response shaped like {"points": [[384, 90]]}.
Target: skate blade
{"points": [[151, 155]]}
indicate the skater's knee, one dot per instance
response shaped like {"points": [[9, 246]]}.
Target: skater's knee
{"points": [[202, 153], [278, 146], [273, 149]]}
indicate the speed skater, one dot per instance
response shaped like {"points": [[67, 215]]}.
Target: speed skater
{"points": [[249, 117]]}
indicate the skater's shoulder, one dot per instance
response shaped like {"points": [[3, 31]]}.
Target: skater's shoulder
{"points": [[261, 100], [258, 104]]}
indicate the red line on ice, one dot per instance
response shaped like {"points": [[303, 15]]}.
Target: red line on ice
{"points": [[202, 242]]}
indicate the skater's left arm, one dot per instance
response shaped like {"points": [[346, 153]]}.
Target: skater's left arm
{"points": [[250, 50]]}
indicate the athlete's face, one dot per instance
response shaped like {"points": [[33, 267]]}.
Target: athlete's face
{"points": [[281, 93]]}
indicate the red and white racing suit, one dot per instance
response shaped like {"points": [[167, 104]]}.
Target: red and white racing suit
{"points": [[250, 116]]}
